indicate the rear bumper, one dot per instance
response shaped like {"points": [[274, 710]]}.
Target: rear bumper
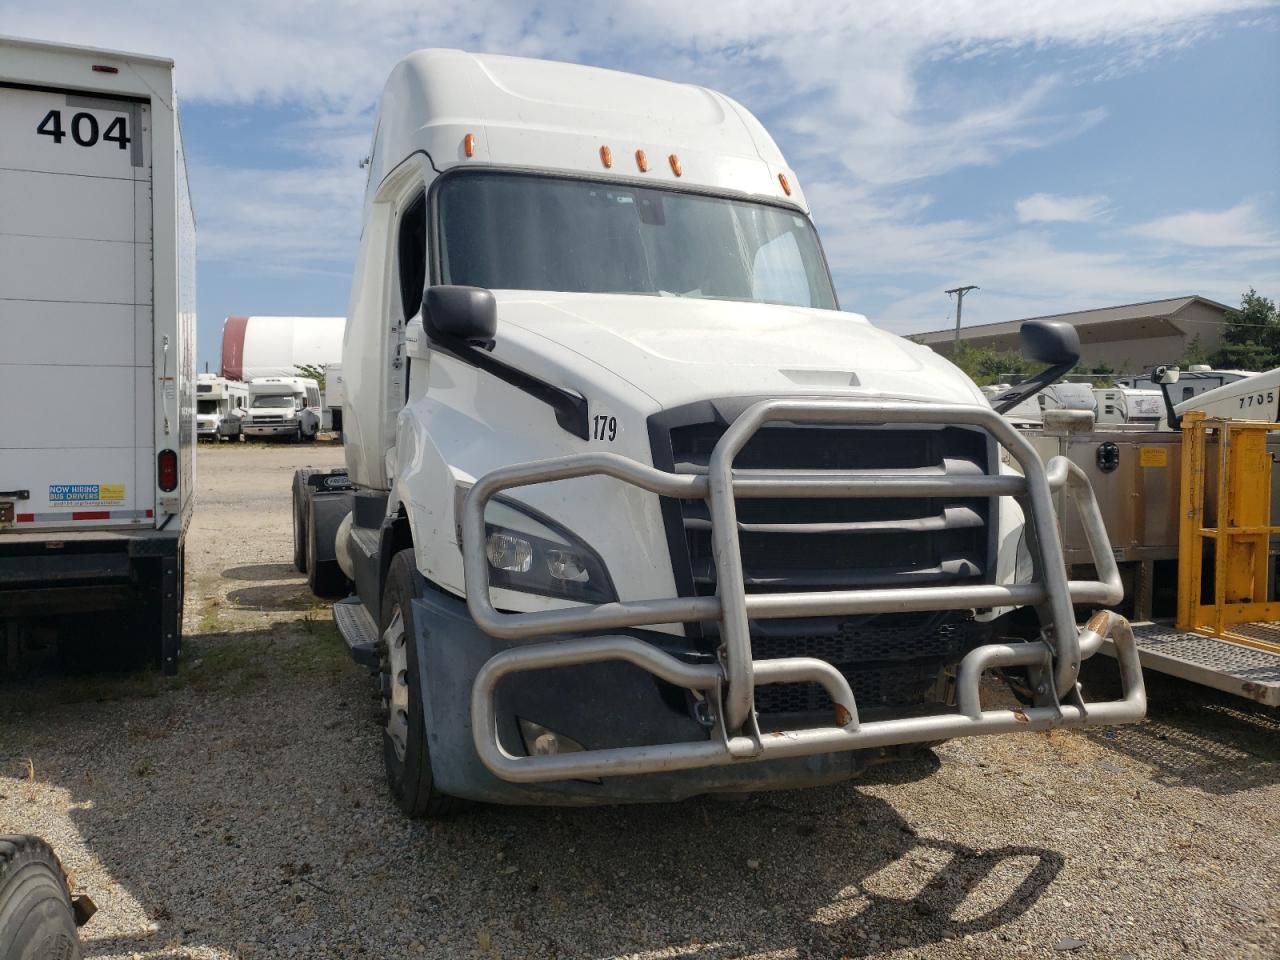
{"points": [[70, 572]]}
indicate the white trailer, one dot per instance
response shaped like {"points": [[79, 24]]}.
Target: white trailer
{"points": [[97, 361], [1198, 378], [221, 405], [255, 347], [1117, 405], [335, 396], [286, 407]]}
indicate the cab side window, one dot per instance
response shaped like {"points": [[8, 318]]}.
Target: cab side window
{"points": [[412, 255]]}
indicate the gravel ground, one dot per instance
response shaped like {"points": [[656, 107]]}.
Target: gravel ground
{"points": [[239, 811]]}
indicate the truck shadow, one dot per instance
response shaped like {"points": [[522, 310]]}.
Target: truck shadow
{"points": [[273, 597], [261, 572], [1195, 736], [249, 813]]}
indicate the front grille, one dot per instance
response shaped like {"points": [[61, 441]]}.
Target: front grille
{"points": [[797, 545], [844, 544], [890, 661], [260, 420]]}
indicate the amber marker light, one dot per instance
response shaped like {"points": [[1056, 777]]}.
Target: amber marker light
{"points": [[675, 165], [469, 144], [642, 162], [786, 184], [606, 157]]}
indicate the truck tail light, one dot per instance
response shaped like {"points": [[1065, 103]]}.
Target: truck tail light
{"points": [[167, 470]]}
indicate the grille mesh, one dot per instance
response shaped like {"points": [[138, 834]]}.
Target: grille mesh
{"points": [[892, 661], [889, 660]]}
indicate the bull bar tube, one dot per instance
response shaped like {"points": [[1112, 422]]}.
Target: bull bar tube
{"points": [[728, 685]]}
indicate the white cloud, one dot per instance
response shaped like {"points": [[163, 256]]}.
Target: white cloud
{"points": [[1240, 226], [1049, 208], [851, 90]]}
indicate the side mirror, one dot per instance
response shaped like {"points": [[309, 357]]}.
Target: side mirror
{"points": [[1054, 342], [1050, 341], [1163, 375], [460, 313]]}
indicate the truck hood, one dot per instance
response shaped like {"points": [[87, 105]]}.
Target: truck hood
{"points": [[679, 350]]}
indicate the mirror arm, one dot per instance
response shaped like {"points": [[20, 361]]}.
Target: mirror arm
{"points": [[1175, 420], [1024, 391]]}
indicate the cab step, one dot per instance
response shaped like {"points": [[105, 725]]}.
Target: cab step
{"points": [[1234, 668], [358, 630]]}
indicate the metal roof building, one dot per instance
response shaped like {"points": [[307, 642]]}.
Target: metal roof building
{"points": [[1130, 338]]}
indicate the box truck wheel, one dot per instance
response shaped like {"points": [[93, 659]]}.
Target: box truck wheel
{"points": [[404, 736], [324, 515], [37, 919]]}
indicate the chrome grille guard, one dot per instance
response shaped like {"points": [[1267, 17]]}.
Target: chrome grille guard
{"points": [[729, 684]]}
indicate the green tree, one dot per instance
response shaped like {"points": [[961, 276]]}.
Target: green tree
{"points": [[1252, 337], [986, 366], [1195, 353], [312, 371]]}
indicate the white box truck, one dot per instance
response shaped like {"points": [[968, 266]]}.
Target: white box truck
{"points": [[97, 346], [631, 510]]}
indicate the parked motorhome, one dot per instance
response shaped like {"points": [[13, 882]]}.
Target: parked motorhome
{"points": [[97, 370], [286, 407], [220, 407], [631, 510], [1196, 379]]}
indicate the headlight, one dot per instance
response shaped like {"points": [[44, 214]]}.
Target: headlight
{"points": [[531, 553]]}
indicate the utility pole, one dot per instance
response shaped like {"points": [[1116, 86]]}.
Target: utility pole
{"points": [[959, 292]]}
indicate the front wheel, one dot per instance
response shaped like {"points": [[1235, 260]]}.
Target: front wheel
{"points": [[404, 735], [37, 921]]}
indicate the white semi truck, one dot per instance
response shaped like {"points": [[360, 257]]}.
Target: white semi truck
{"points": [[631, 510], [286, 407], [220, 407], [97, 360]]}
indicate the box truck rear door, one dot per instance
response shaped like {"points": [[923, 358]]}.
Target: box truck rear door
{"points": [[76, 376]]}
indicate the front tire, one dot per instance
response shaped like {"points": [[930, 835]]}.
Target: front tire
{"points": [[37, 921], [404, 735]]}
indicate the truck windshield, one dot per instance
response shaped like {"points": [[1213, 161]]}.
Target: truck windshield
{"points": [[273, 400], [206, 406], [521, 232]]}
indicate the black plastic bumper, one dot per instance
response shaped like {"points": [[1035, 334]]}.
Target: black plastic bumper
{"points": [[598, 705]]}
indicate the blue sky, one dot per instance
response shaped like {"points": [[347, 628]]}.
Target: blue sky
{"points": [[1059, 155]]}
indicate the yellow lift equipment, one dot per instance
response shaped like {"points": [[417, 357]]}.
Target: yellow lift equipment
{"points": [[1228, 627]]}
